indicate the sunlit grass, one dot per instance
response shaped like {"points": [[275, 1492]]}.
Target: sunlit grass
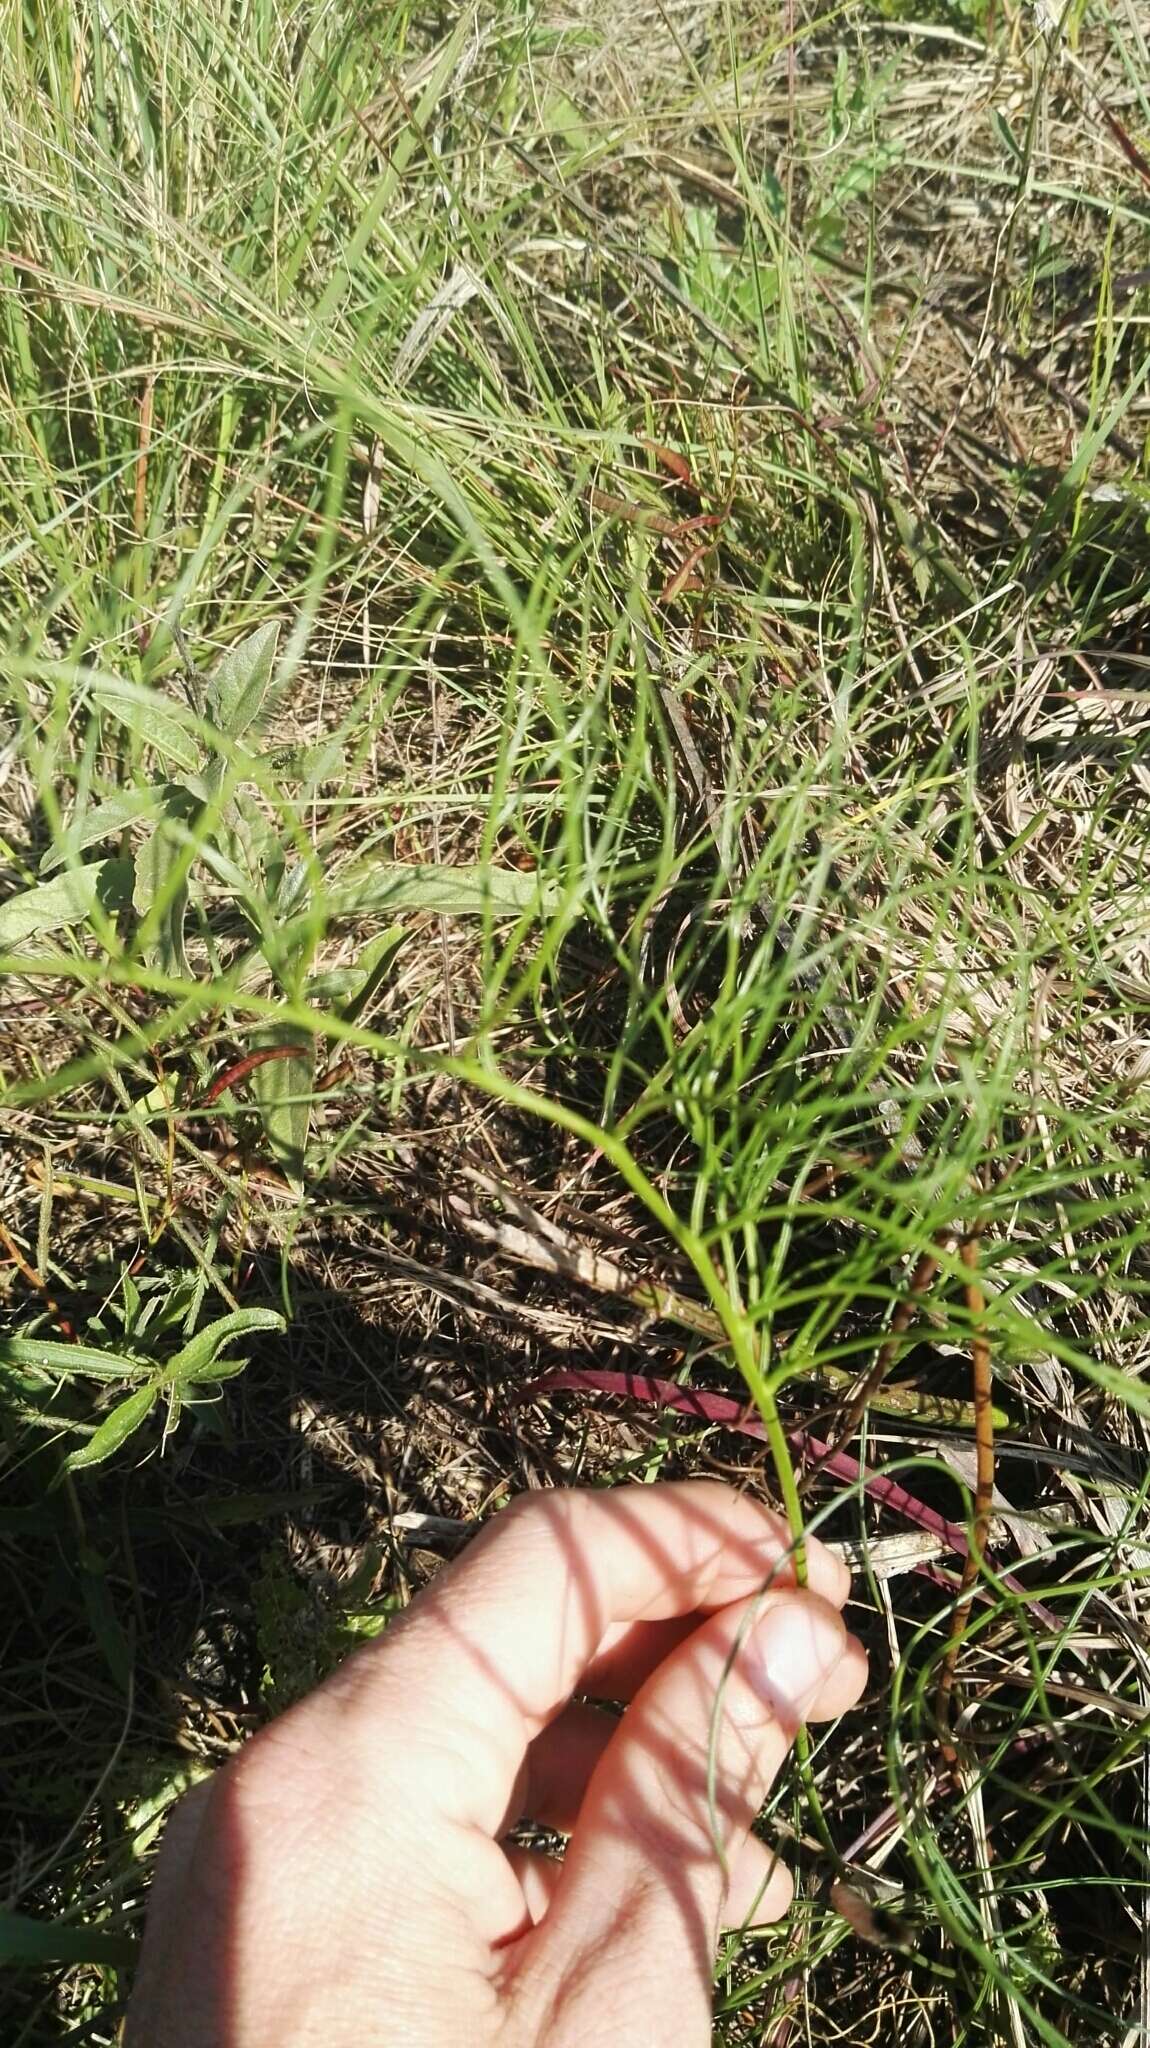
{"points": [[785, 901]]}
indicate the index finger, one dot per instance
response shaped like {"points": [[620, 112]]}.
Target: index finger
{"points": [[497, 1644]]}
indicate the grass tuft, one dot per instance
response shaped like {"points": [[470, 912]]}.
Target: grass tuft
{"points": [[573, 757]]}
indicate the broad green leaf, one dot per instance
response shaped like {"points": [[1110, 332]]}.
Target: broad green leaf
{"points": [[143, 1821], [200, 1353], [453, 892], [70, 1360], [927, 556], [350, 989], [325, 762], [225, 871], [155, 859], [133, 1304], [26, 1940], [253, 838], [917, 554], [293, 890], [166, 949], [161, 852], [27, 1391], [125, 808], [159, 1101], [158, 859], [334, 985], [291, 924], [66, 900], [374, 966], [219, 1369], [157, 720], [366, 1626], [182, 830], [283, 1090], [115, 1429], [239, 685]]}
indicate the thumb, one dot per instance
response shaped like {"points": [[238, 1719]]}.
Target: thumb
{"points": [[665, 1815]]}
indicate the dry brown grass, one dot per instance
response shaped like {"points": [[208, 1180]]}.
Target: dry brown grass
{"points": [[904, 718]]}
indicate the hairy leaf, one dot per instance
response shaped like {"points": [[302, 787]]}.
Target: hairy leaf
{"points": [[158, 721], [201, 1353], [69, 1360], [115, 1429], [454, 892], [239, 685], [283, 1090], [125, 808], [66, 900]]}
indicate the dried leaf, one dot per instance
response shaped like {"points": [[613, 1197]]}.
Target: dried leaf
{"points": [[371, 491]]}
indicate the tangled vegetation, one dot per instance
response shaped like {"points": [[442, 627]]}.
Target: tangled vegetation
{"points": [[574, 903]]}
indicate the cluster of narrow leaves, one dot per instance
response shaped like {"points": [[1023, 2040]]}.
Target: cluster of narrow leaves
{"points": [[40, 1376], [202, 831], [156, 881]]}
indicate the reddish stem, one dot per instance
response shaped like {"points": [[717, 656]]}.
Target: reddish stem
{"points": [[742, 1417], [242, 1068]]}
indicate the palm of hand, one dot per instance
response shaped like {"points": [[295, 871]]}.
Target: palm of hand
{"points": [[347, 1880]]}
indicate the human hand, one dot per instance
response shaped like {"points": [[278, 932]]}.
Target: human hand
{"points": [[344, 1882]]}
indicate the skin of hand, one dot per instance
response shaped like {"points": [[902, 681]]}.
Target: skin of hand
{"points": [[345, 1882]]}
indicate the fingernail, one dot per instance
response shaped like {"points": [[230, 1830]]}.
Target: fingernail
{"points": [[791, 1652]]}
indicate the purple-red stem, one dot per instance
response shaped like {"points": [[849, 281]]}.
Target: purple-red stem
{"points": [[727, 1413]]}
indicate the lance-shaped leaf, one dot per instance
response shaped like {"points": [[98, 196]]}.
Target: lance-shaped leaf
{"points": [[68, 899], [200, 1357], [115, 1429], [240, 682]]}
